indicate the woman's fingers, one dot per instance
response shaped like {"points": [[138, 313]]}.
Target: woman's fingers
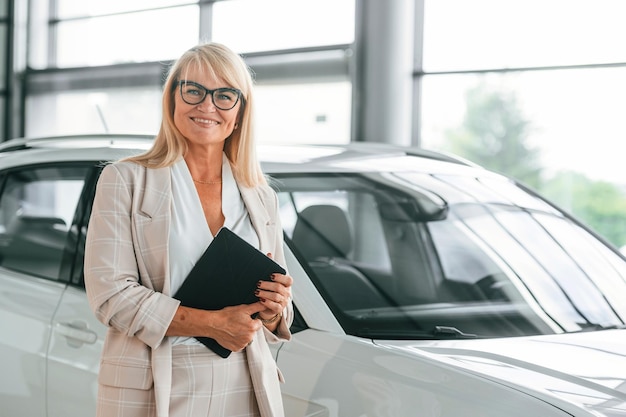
{"points": [[278, 290]]}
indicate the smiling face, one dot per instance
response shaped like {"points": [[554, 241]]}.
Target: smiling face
{"points": [[204, 124]]}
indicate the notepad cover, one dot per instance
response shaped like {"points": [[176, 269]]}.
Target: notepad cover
{"points": [[226, 274]]}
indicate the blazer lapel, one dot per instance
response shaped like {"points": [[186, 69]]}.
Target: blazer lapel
{"points": [[152, 225], [260, 218], [158, 186]]}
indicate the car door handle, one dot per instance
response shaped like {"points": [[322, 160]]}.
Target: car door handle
{"points": [[77, 333]]}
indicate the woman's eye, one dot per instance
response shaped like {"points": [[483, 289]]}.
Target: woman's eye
{"points": [[226, 95]]}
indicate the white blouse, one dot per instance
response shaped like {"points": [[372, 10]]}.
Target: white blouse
{"points": [[189, 231]]}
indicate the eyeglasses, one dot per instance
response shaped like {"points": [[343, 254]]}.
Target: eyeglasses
{"points": [[223, 98]]}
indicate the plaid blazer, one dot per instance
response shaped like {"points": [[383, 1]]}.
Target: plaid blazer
{"points": [[128, 284]]}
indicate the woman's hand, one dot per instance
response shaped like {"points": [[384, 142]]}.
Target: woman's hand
{"points": [[235, 327], [274, 295], [232, 327]]}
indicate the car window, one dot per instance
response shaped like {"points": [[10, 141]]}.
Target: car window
{"points": [[325, 224], [37, 206], [402, 255], [350, 232]]}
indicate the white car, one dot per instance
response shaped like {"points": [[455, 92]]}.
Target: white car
{"points": [[424, 286]]}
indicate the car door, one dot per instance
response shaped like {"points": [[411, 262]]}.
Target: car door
{"points": [[37, 205], [76, 337], [74, 356]]}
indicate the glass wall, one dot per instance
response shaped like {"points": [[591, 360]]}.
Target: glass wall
{"points": [[535, 90], [114, 110], [90, 33], [125, 37], [304, 113], [493, 34], [267, 25]]}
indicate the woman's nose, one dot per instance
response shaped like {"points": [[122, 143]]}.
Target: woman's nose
{"points": [[207, 104]]}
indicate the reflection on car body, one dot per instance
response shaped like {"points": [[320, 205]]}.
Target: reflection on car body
{"points": [[423, 285]]}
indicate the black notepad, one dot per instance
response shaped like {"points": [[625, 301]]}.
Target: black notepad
{"points": [[226, 274]]}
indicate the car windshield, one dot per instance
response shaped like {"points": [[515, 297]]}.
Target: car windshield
{"points": [[410, 255]]}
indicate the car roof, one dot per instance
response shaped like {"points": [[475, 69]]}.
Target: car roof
{"points": [[351, 157]]}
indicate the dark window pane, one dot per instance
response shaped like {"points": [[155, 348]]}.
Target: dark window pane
{"points": [[36, 211], [3, 55]]}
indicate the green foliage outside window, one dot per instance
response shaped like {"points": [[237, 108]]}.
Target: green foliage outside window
{"points": [[494, 134]]}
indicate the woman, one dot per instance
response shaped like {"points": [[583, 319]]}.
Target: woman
{"points": [[152, 218]]}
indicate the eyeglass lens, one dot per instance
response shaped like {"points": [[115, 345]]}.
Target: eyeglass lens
{"points": [[223, 98]]}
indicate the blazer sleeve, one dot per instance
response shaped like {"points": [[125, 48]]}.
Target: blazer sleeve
{"points": [[117, 295]]}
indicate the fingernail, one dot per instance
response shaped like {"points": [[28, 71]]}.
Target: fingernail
{"points": [[257, 292]]}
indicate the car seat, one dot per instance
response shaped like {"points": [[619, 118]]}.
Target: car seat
{"points": [[323, 236]]}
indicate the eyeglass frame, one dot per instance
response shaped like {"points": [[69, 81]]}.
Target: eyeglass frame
{"points": [[207, 92]]}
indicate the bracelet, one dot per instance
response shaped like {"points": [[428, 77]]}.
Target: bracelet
{"points": [[271, 320]]}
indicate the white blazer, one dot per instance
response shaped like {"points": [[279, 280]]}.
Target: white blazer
{"points": [[128, 284]]}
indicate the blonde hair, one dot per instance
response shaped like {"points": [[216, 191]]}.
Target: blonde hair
{"points": [[219, 62]]}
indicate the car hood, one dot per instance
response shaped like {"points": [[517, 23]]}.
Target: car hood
{"points": [[582, 373]]}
